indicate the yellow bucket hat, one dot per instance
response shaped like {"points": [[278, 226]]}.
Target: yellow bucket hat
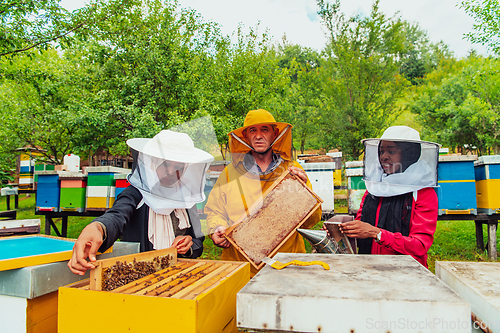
{"points": [[282, 143], [258, 117]]}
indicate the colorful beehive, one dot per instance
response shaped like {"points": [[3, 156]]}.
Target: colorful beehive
{"points": [[355, 185], [101, 187], [28, 288], [41, 167], [457, 189], [191, 296], [48, 191], [487, 174], [121, 183], [26, 168], [73, 191]]}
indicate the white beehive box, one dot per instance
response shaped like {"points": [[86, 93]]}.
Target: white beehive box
{"points": [[478, 284], [360, 293]]}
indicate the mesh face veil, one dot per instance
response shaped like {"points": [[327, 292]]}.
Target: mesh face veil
{"points": [[397, 163], [169, 169], [166, 185]]}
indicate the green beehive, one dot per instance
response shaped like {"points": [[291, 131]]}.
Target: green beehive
{"points": [[73, 189], [355, 185]]}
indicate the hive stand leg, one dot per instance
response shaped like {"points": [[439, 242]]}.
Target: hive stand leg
{"points": [[492, 240], [47, 224], [479, 235], [64, 226]]}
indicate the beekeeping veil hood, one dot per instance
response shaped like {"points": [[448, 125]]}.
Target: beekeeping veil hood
{"points": [[416, 168], [169, 171], [282, 145]]}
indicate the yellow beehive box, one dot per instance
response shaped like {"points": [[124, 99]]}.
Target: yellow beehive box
{"points": [[337, 177], [99, 202], [487, 176], [487, 194], [208, 304]]}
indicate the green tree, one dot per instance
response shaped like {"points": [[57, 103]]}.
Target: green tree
{"points": [[486, 14], [158, 65], [301, 100], [37, 96], [143, 68], [421, 56], [361, 76], [28, 24], [458, 105]]}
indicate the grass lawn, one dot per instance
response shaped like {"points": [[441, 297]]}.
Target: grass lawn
{"points": [[454, 240]]}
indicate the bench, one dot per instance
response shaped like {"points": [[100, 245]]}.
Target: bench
{"points": [[19, 227]]}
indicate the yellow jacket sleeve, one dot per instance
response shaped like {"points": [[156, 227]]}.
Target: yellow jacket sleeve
{"points": [[217, 204]]}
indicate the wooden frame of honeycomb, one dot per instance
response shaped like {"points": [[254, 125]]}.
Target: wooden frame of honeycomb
{"points": [[113, 273], [271, 221], [185, 279]]}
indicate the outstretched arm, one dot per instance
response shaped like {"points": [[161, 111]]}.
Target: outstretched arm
{"points": [[86, 246]]}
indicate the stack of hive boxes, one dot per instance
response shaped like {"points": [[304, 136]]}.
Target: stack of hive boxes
{"points": [[101, 187], [48, 191], [26, 168], [41, 167], [73, 190]]}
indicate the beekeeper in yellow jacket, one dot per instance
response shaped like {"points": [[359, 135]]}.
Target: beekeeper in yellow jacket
{"points": [[261, 151]]}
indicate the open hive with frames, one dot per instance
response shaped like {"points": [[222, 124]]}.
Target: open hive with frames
{"points": [[144, 291]]}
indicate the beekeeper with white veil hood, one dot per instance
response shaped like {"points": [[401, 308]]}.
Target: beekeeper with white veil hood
{"points": [[398, 212], [159, 209]]}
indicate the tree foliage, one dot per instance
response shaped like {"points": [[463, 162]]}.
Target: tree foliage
{"points": [[37, 103], [361, 76], [421, 56], [28, 24], [486, 14], [458, 105], [134, 67]]}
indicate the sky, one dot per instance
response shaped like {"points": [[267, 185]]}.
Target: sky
{"points": [[443, 20]]}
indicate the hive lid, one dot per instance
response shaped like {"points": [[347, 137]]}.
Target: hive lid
{"points": [[475, 281], [34, 281], [23, 251], [61, 173], [107, 169], [489, 159], [354, 172], [319, 166], [457, 158], [354, 164]]}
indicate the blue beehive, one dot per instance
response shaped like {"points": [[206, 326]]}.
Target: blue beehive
{"points": [[457, 188], [48, 189]]}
